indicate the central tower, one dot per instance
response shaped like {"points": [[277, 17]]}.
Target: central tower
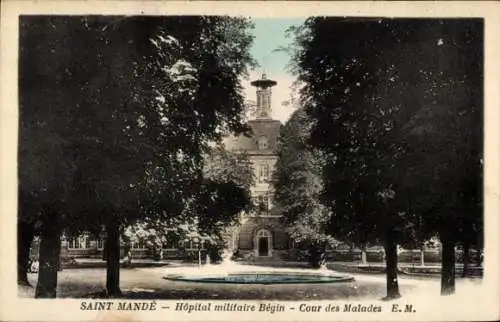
{"points": [[263, 96], [261, 232]]}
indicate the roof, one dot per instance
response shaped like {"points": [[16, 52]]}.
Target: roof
{"points": [[263, 83], [259, 128]]}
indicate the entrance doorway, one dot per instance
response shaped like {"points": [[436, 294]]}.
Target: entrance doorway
{"points": [[263, 247], [263, 243]]}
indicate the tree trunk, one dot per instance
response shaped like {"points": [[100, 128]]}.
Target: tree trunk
{"points": [[50, 248], [25, 235], [447, 266], [105, 250], [466, 259], [391, 259], [113, 260], [422, 256]]}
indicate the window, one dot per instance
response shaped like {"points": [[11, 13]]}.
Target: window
{"points": [[265, 201], [79, 242], [262, 202], [85, 241], [100, 243], [194, 245], [263, 174], [262, 143], [255, 201], [73, 242]]}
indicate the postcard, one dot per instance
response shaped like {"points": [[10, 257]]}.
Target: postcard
{"points": [[250, 161]]}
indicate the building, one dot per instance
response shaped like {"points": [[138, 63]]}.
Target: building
{"points": [[260, 234]]}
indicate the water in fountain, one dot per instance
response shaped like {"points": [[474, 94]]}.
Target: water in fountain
{"points": [[323, 269], [227, 263], [226, 256], [229, 271]]}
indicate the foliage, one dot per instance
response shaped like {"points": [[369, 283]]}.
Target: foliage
{"points": [[298, 183], [117, 112], [351, 126], [152, 103], [399, 122], [223, 195]]}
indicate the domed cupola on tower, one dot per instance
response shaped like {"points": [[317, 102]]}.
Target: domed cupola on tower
{"points": [[264, 86], [264, 134]]}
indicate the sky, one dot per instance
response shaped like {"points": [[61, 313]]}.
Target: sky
{"points": [[270, 35]]}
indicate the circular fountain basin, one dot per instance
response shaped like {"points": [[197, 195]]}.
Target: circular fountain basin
{"points": [[263, 278]]}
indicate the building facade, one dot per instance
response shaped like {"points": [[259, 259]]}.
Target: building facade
{"points": [[260, 234]]}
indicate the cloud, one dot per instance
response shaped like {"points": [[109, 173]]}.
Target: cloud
{"points": [[281, 93]]}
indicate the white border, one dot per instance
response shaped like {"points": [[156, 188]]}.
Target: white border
{"points": [[480, 306]]}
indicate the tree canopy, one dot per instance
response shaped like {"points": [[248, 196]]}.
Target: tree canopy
{"points": [[117, 112], [298, 184], [377, 102]]}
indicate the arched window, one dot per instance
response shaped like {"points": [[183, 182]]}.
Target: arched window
{"points": [[263, 175], [264, 233], [262, 143], [263, 203], [100, 243]]}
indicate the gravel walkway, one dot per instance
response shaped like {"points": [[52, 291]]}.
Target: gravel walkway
{"points": [[149, 283]]}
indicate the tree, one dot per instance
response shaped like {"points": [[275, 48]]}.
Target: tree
{"points": [[46, 132], [223, 194], [73, 150], [26, 231], [298, 184], [192, 97], [352, 128], [364, 96], [155, 91], [445, 140]]}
